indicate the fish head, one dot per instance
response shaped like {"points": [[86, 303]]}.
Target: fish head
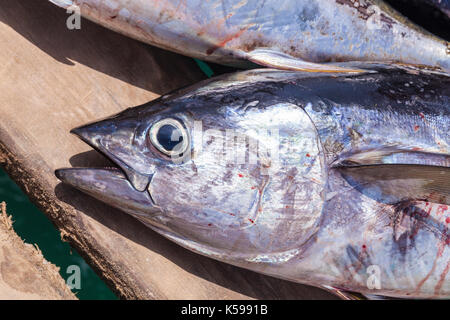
{"points": [[214, 169]]}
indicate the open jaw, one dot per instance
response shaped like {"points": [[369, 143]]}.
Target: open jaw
{"points": [[110, 185]]}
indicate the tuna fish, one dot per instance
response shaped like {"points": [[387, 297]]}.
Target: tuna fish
{"points": [[286, 34], [340, 181]]}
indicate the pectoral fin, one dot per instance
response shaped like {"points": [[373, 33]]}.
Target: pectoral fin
{"points": [[278, 60], [392, 183]]}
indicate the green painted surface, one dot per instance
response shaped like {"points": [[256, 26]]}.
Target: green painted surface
{"points": [[34, 227], [205, 68]]}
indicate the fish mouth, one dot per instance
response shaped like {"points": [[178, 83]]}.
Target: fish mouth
{"points": [[95, 135], [111, 185]]}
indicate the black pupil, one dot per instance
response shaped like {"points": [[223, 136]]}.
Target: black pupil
{"points": [[169, 136]]}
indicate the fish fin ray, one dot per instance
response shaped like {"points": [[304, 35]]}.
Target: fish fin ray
{"points": [[394, 155], [394, 183], [278, 60], [344, 295]]}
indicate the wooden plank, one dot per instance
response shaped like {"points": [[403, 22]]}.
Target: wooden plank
{"points": [[24, 273], [53, 80]]}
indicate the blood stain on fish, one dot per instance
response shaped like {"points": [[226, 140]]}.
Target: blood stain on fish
{"points": [[441, 210], [433, 268], [225, 41], [441, 279]]}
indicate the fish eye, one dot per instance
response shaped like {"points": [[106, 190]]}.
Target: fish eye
{"points": [[169, 137]]}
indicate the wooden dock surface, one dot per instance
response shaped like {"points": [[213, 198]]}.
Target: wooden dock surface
{"points": [[24, 272]]}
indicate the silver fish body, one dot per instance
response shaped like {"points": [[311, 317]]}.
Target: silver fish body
{"points": [[330, 180], [272, 32]]}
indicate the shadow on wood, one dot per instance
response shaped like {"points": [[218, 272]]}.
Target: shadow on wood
{"points": [[53, 80], [43, 24]]}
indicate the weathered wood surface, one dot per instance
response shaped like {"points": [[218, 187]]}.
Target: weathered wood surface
{"points": [[24, 272], [52, 80]]}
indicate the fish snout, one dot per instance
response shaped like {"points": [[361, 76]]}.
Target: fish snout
{"points": [[119, 141]]}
